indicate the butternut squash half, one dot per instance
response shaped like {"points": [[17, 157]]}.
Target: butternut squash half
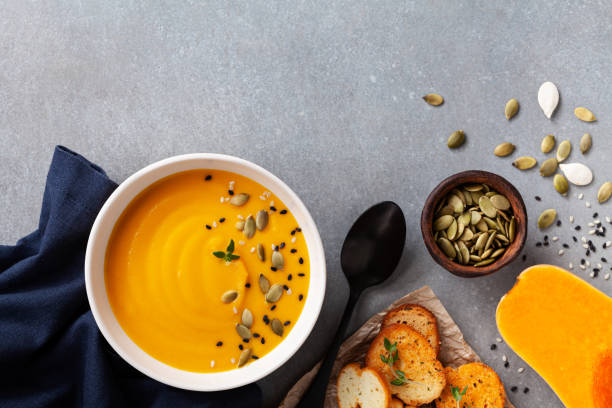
{"points": [[562, 327]]}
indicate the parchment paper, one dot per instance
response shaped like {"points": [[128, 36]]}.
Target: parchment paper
{"points": [[454, 351]]}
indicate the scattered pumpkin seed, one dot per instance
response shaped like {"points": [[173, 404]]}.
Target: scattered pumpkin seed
{"points": [[585, 143], [577, 173], [604, 193], [584, 114], [504, 149], [547, 218], [277, 260], [239, 199], [548, 98], [264, 284], [456, 139], [249, 227], [277, 327], [261, 219], [247, 318], [261, 252], [240, 225], [549, 167], [512, 107], [525, 163], [244, 357], [548, 143], [229, 296], [433, 99], [560, 183], [565, 147], [243, 331], [275, 293]]}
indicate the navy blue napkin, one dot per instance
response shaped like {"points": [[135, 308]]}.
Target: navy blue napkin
{"points": [[51, 351]]}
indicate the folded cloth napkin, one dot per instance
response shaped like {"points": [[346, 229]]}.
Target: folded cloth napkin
{"points": [[51, 352]]}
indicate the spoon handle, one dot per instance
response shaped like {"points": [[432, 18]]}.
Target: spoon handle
{"points": [[315, 395]]}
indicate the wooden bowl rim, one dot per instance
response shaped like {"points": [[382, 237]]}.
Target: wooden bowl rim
{"points": [[466, 177]]}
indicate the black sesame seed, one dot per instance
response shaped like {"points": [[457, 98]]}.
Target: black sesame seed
{"points": [[301, 275], [575, 239], [538, 198], [276, 248], [526, 390], [266, 319], [287, 323], [546, 243], [285, 287], [514, 388], [493, 346], [263, 340], [254, 357], [273, 307], [293, 250], [282, 245], [582, 261], [272, 208], [298, 229], [588, 252], [545, 237], [273, 269], [289, 277], [595, 215], [293, 232], [247, 285], [301, 261], [283, 212], [300, 297], [245, 340], [538, 244], [222, 220], [577, 227], [219, 343], [208, 227], [506, 364], [524, 258], [566, 246], [240, 347], [230, 192], [558, 223], [208, 178], [256, 335], [595, 272], [604, 259]]}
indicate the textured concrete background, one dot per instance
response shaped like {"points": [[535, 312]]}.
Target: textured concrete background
{"points": [[325, 94]]}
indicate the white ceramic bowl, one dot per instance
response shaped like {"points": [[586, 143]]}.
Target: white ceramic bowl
{"points": [[126, 348]]}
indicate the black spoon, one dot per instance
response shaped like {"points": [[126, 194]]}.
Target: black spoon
{"points": [[371, 252]]}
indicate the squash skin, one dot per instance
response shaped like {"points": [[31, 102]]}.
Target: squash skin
{"points": [[562, 327]]}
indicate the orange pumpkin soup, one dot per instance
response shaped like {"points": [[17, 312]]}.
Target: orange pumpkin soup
{"points": [[562, 327], [183, 294]]}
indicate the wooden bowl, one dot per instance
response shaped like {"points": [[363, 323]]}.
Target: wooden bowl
{"points": [[500, 185]]}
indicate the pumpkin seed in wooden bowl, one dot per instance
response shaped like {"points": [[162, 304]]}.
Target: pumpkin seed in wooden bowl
{"points": [[474, 223]]}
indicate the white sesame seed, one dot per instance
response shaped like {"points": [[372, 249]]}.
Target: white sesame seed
{"points": [[267, 193], [241, 242], [570, 266], [587, 204], [289, 291], [212, 363], [273, 247], [221, 199], [499, 340], [520, 370], [231, 183], [588, 264], [240, 217], [584, 239], [227, 199], [592, 232], [235, 310], [262, 197], [561, 252], [293, 240], [214, 224], [591, 224], [597, 222], [585, 246], [592, 274], [233, 360], [252, 249], [608, 219], [607, 276], [583, 267], [599, 266], [555, 239], [504, 358], [271, 203], [580, 196], [608, 244], [571, 219]]}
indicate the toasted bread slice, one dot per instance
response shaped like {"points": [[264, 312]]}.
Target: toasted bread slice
{"points": [[417, 317], [364, 388], [484, 388], [417, 359]]}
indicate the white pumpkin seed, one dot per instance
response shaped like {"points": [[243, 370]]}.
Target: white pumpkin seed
{"points": [[577, 173], [548, 98]]}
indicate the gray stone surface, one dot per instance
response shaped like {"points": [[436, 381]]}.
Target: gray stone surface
{"points": [[325, 94]]}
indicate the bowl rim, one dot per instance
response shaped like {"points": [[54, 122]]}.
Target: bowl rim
{"points": [[464, 177], [142, 361]]}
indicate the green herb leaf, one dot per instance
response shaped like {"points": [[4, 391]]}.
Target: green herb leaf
{"points": [[230, 247], [227, 256], [234, 257], [387, 344], [397, 382], [219, 254]]}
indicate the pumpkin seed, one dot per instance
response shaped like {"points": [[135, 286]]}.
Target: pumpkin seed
{"points": [[447, 247], [467, 235], [243, 331], [261, 219], [525, 162], [490, 241], [512, 107], [446, 210], [474, 187], [585, 143], [485, 262], [247, 318], [456, 139], [548, 143], [465, 252], [476, 217], [482, 240], [249, 227], [560, 183], [277, 327], [244, 357], [498, 252], [451, 232], [443, 222], [240, 225], [229, 296], [504, 149], [549, 167], [264, 284], [485, 254], [275, 293], [465, 218], [277, 260], [456, 203], [565, 147], [433, 99], [500, 202], [577, 173], [482, 226], [604, 193], [239, 199], [512, 229], [487, 207], [547, 218], [548, 98], [584, 114]]}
